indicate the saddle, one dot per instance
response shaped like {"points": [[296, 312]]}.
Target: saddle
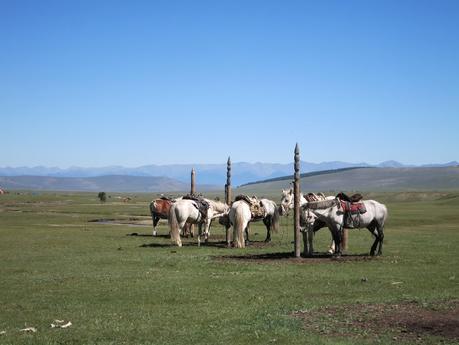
{"points": [[352, 208], [201, 204], [353, 198], [314, 197], [257, 208]]}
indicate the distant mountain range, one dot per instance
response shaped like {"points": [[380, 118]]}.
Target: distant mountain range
{"points": [[209, 174], [347, 179]]}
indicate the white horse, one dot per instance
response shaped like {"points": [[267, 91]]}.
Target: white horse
{"points": [[240, 217], [186, 211], [331, 213], [306, 229]]}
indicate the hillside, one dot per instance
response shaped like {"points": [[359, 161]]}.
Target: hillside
{"points": [[366, 179], [110, 183]]}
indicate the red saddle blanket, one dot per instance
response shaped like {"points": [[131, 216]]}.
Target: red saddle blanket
{"points": [[353, 207]]}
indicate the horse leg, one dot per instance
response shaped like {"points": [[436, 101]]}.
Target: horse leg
{"points": [[331, 249], [310, 241], [228, 236], [380, 229], [175, 235], [207, 230], [372, 228], [199, 234], [155, 222], [267, 222], [337, 235], [247, 229]]}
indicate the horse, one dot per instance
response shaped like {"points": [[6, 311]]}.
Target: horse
{"points": [[331, 213], [240, 217], [159, 209], [308, 231], [186, 211]]}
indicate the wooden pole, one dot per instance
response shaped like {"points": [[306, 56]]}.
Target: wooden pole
{"points": [[228, 195], [296, 202], [228, 198], [192, 192], [193, 181]]}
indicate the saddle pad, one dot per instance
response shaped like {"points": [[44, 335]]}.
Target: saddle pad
{"points": [[353, 207]]}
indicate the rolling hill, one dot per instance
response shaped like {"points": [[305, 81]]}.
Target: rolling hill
{"points": [[365, 179], [110, 183]]}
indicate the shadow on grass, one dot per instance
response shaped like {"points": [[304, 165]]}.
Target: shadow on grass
{"points": [[289, 257], [136, 234], [213, 244]]}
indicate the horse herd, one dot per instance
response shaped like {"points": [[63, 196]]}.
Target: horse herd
{"points": [[317, 211]]}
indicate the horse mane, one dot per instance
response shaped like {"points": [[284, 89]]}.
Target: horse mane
{"points": [[320, 205]]}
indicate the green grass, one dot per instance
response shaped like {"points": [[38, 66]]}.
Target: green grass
{"points": [[119, 289]]}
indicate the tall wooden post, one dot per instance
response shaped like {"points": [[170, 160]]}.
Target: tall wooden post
{"points": [[192, 192], [193, 181], [296, 202], [228, 198], [228, 195]]}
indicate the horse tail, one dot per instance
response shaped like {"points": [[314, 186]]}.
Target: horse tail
{"points": [[275, 219], [238, 229], [174, 226], [384, 215], [152, 204]]}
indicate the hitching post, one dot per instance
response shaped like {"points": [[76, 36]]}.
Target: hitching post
{"points": [[228, 195], [296, 202], [228, 182], [193, 181], [192, 192]]}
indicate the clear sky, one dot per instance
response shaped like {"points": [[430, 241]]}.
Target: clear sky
{"points": [[95, 83]]}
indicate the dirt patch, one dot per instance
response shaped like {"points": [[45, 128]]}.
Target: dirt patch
{"points": [[287, 257], [403, 321]]}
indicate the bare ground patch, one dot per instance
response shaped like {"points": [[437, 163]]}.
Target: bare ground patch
{"points": [[402, 321]]}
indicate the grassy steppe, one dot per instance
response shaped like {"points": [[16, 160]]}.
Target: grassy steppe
{"points": [[119, 289]]}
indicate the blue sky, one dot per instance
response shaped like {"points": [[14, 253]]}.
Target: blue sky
{"points": [[95, 83]]}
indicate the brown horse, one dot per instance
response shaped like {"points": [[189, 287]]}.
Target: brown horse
{"points": [[159, 209]]}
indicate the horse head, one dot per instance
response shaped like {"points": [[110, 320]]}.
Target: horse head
{"points": [[286, 203]]}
